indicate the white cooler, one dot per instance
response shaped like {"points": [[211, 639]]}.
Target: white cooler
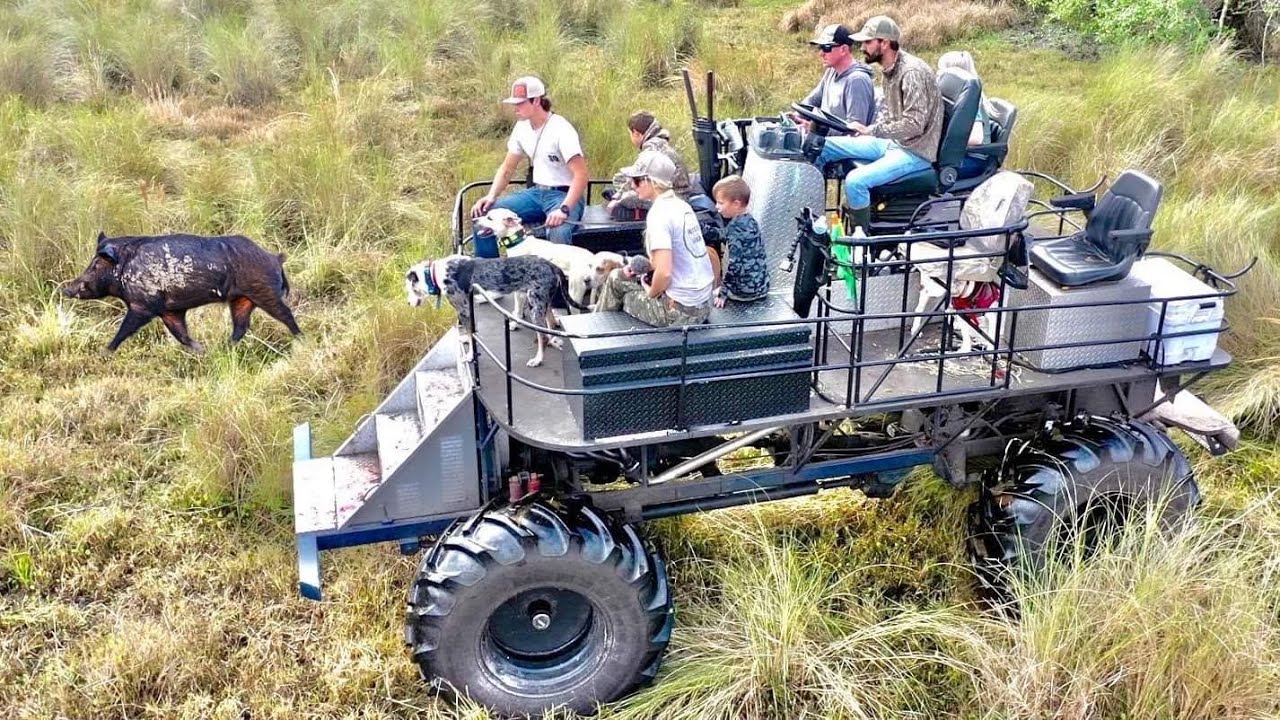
{"points": [[1182, 316]]}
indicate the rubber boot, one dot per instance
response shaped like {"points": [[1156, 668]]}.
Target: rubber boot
{"points": [[856, 217]]}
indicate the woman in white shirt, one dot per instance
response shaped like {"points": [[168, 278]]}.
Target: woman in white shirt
{"points": [[683, 283], [560, 176]]}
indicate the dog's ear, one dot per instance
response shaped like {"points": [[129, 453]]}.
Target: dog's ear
{"points": [[412, 276]]}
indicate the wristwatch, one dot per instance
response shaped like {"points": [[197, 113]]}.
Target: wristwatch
{"points": [[564, 209]]}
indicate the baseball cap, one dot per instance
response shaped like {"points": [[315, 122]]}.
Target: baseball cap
{"points": [[654, 165], [833, 35], [880, 27], [525, 88]]}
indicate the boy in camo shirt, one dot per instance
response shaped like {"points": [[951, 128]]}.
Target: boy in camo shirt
{"points": [[746, 271]]}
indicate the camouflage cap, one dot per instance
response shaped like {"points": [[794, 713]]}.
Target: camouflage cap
{"points": [[880, 27]]}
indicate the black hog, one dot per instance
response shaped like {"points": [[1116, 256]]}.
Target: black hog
{"points": [[166, 275]]}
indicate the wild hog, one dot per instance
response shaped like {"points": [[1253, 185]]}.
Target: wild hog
{"points": [[167, 275]]}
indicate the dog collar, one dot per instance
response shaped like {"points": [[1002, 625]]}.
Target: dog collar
{"points": [[511, 241], [433, 285]]}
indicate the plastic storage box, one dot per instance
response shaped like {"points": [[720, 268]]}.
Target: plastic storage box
{"points": [[1199, 315]]}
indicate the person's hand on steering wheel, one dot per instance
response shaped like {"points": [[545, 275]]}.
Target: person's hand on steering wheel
{"points": [[821, 118], [799, 121]]}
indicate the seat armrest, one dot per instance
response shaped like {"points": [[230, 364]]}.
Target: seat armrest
{"points": [[1075, 201], [1129, 243], [988, 148], [1130, 234]]}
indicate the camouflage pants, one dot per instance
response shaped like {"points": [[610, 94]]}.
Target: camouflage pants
{"points": [[620, 293]]}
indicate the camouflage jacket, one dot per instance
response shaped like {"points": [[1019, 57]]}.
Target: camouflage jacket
{"points": [[746, 271], [656, 139], [912, 110]]}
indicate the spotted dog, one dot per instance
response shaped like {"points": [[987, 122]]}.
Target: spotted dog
{"points": [[585, 270], [539, 283]]}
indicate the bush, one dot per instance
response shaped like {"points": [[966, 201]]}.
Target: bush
{"points": [[248, 70], [1121, 21]]}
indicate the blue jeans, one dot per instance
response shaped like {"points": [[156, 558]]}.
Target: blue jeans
{"points": [[881, 161], [532, 205]]}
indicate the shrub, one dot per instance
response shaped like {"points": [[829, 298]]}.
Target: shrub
{"points": [[241, 58], [1121, 21], [28, 68]]}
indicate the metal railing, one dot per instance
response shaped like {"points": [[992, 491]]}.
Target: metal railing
{"points": [[864, 374]]}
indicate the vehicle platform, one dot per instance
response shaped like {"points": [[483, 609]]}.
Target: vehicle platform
{"points": [[533, 411]]}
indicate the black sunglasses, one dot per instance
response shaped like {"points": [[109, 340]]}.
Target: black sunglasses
{"points": [[829, 47]]}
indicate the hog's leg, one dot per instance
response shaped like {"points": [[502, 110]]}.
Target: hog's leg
{"points": [[241, 307], [276, 308], [176, 322], [133, 321]]}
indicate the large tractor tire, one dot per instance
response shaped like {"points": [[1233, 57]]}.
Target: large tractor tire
{"points": [[529, 608], [1072, 485]]}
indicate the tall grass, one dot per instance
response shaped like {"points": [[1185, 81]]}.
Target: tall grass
{"points": [[242, 60], [780, 631], [1153, 625], [925, 24]]}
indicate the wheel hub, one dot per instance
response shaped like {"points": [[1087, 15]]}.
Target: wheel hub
{"points": [[542, 625]]}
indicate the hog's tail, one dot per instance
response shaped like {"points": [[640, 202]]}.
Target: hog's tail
{"points": [[284, 279]]}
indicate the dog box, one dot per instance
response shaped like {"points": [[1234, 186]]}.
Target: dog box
{"points": [[621, 370], [1097, 334], [1185, 313], [884, 295]]}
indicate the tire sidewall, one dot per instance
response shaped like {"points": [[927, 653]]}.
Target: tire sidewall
{"points": [[619, 616]]}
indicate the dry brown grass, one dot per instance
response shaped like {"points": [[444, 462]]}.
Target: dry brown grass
{"points": [[925, 23]]}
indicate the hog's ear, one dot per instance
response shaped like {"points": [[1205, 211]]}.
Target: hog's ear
{"points": [[102, 238], [108, 253]]}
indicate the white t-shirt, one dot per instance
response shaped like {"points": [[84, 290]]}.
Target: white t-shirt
{"points": [[671, 225], [551, 153]]}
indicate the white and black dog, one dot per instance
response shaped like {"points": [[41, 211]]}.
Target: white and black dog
{"points": [[585, 270], [539, 283]]}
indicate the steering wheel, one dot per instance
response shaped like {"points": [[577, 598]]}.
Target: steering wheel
{"points": [[821, 118]]}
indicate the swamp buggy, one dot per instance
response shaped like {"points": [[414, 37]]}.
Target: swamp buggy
{"points": [[539, 590]]}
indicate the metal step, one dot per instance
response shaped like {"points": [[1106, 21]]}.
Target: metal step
{"points": [[438, 391], [356, 477], [398, 435], [328, 491], [314, 506], [414, 456]]}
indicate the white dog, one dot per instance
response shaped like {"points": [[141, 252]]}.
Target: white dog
{"points": [[998, 202], [965, 294], [586, 270]]}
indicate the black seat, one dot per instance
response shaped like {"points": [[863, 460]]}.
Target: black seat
{"points": [[961, 92], [1002, 115], [1116, 233]]}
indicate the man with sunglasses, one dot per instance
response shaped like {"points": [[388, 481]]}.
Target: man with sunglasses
{"points": [[559, 175], [845, 89], [907, 131]]}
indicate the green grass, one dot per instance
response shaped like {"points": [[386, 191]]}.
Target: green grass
{"points": [[146, 548]]}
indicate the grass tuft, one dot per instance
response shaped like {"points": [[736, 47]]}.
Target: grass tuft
{"points": [[925, 24], [1153, 625]]}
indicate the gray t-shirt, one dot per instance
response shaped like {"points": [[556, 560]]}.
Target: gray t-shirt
{"points": [[849, 95]]}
